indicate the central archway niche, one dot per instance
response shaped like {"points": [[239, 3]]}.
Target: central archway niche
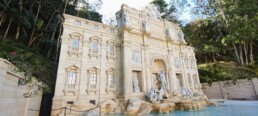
{"points": [[157, 66]]}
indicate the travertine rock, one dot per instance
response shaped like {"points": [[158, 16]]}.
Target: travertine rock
{"points": [[137, 106], [191, 105], [163, 107], [108, 106]]}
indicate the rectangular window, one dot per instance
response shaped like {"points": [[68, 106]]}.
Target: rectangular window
{"points": [[75, 44], [95, 47], [111, 48], [93, 80], [111, 79], [111, 30], [77, 22], [96, 27], [71, 78]]}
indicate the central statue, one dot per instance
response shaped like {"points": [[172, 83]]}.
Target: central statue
{"points": [[162, 79]]}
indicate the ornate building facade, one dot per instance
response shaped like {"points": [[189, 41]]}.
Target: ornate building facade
{"points": [[99, 62]]}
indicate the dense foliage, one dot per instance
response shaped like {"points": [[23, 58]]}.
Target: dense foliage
{"points": [[30, 33], [227, 31]]}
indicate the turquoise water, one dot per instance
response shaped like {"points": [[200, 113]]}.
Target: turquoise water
{"points": [[228, 108]]}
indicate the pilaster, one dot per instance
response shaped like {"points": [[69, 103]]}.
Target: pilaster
{"points": [[127, 67], [103, 60]]}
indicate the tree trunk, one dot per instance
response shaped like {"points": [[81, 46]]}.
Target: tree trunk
{"points": [[33, 30], [236, 53], [213, 56], [246, 56], [241, 55], [251, 54], [18, 26], [8, 27], [2, 19], [65, 5], [52, 39]]}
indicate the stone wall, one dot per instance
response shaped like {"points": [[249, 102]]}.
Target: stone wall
{"points": [[242, 89], [11, 95]]}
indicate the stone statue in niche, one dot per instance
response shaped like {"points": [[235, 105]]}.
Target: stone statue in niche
{"points": [[136, 88], [156, 93], [162, 79]]}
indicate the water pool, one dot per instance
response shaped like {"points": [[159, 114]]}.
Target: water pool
{"points": [[228, 108]]}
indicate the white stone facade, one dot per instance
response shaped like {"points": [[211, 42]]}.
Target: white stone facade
{"points": [[100, 62]]}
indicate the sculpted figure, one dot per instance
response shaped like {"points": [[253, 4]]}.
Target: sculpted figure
{"points": [[162, 78], [156, 93], [186, 92], [135, 85]]}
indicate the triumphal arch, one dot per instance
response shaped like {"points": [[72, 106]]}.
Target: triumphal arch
{"points": [[100, 62]]}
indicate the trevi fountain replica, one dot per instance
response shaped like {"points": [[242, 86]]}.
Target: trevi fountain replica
{"points": [[141, 66]]}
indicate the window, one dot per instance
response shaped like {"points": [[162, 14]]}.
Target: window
{"points": [[95, 47], [71, 77], [77, 22], [111, 87], [111, 48], [75, 44], [111, 80], [93, 75], [96, 27], [93, 78], [111, 30]]}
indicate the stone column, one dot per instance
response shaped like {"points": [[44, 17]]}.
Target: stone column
{"points": [[127, 68], [144, 77]]}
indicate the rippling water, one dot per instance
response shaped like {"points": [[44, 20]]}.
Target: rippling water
{"points": [[228, 108]]}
